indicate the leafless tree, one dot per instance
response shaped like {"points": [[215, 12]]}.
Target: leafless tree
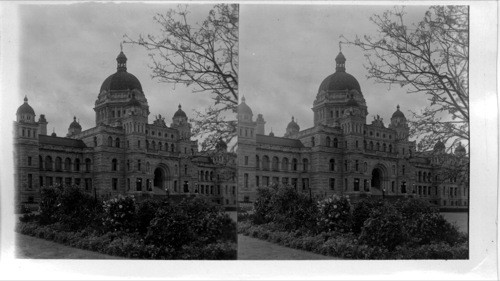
{"points": [[201, 56], [429, 58]]}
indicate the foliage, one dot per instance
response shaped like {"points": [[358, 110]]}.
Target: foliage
{"points": [[334, 214], [204, 56], [263, 205], [70, 206], [362, 212], [431, 58], [119, 214], [293, 210], [384, 227], [146, 211]]}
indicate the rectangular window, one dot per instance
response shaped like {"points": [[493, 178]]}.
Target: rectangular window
{"points": [[284, 180], [138, 184], [67, 181], [356, 184], [305, 184], [294, 182], [59, 180], [345, 184], [276, 180], [332, 184], [77, 181], [246, 160], [115, 183], [29, 160], [50, 181], [88, 184], [41, 181], [257, 182], [392, 186], [265, 181], [30, 181], [366, 187], [245, 180]]}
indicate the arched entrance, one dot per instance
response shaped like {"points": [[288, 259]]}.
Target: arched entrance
{"points": [[377, 178], [162, 178]]}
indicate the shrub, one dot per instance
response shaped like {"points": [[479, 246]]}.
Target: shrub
{"points": [[362, 212], [119, 214], [429, 228], [146, 211], [334, 214], [263, 205], [293, 210], [413, 207], [384, 227]]}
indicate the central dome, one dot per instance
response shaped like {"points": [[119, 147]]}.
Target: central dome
{"points": [[339, 81], [121, 80]]}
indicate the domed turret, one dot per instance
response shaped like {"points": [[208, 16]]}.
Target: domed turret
{"points": [[244, 111], [340, 80], [74, 128], [180, 113], [398, 114], [460, 150], [25, 112], [292, 128], [439, 147], [221, 145]]}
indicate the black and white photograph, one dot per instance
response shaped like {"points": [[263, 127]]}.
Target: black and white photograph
{"points": [[218, 140], [123, 138], [353, 139]]}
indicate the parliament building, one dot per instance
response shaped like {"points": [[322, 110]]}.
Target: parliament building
{"points": [[342, 154], [123, 154]]}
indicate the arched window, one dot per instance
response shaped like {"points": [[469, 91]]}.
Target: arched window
{"points": [[390, 147], [424, 174], [328, 140], [206, 176], [160, 146], [201, 175], [77, 165], [332, 164], [365, 145], [257, 162], [312, 141], [384, 147], [371, 145], [67, 164], [265, 163], [275, 163], [153, 145], [305, 164], [48, 163], [357, 165], [378, 146], [172, 148], [419, 175], [58, 164], [147, 144], [114, 164], [87, 165], [284, 164], [294, 164], [335, 143], [117, 142], [95, 141], [429, 177], [110, 141]]}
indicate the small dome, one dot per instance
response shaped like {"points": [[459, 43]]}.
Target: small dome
{"points": [[180, 113], [121, 81], [398, 114], [439, 146], [221, 145], [53, 134], [243, 108], [271, 134], [74, 124], [293, 125], [460, 149], [25, 108]]}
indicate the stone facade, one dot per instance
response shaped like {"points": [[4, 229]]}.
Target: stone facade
{"points": [[342, 154], [123, 153]]}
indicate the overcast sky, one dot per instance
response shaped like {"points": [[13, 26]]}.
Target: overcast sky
{"points": [[67, 51], [287, 51]]}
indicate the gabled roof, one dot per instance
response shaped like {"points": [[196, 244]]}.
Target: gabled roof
{"points": [[50, 140], [263, 139]]}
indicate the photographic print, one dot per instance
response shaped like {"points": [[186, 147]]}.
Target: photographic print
{"points": [[353, 133], [125, 131]]}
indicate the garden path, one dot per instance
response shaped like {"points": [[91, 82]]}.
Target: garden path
{"points": [[255, 249], [35, 248]]}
